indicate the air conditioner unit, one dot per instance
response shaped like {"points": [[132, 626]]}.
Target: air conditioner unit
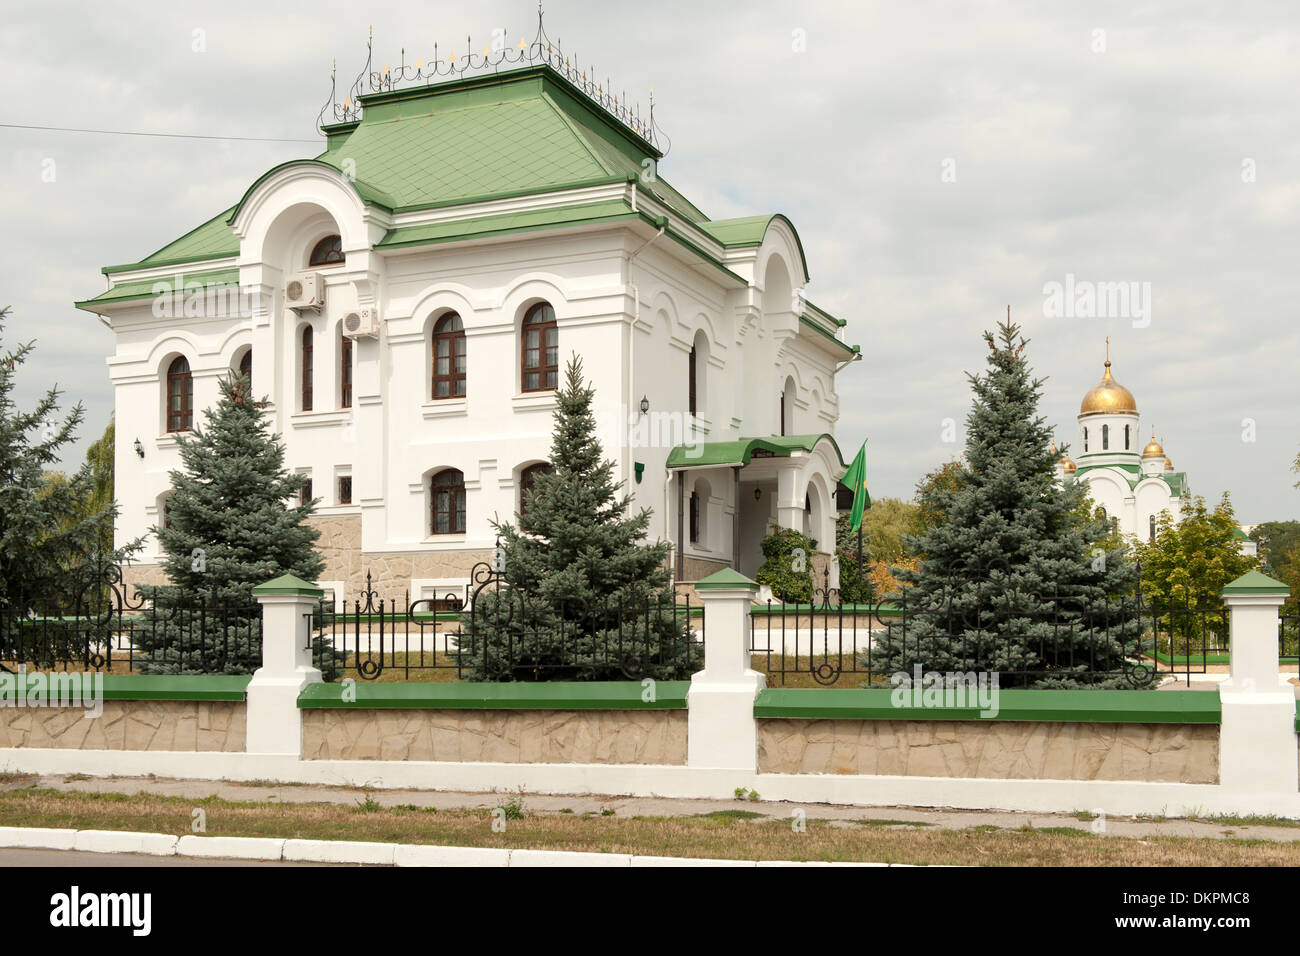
{"points": [[305, 291], [361, 323]]}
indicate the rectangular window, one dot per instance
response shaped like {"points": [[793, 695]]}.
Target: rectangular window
{"points": [[345, 489], [305, 495]]}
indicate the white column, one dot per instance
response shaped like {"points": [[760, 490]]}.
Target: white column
{"points": [[721, 730], [274, 721], [1257, 737], [789, 499]]}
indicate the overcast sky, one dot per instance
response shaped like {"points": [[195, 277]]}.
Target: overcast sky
{"points": [[940, 161]]}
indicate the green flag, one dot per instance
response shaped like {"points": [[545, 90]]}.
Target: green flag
{"points": [[855, 479]]}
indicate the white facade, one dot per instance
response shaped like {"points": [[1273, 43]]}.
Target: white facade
{"points": [[632, 297]]}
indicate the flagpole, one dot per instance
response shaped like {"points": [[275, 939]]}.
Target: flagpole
{"points": [[859, 559]]}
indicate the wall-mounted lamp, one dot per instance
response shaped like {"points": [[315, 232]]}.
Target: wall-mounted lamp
{"points": [[645, 404], [139, 449], [758, 494]]}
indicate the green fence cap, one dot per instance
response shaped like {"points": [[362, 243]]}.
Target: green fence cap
{"points": [[1252, 582], [728, 579], [288, 584]]}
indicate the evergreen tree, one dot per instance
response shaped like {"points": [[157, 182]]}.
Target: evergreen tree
{"points": [[1010, 578], [229, 528], [581, 595], [56, 531]]}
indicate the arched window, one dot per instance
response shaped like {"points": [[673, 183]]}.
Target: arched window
{"points": [[1151, 528], [449, 357], [165, 506], [180, 396], [691, 382], [1105, 437], [540, 359], [447, 502], [695, 517], [327, 252], [246, 368], [1126, 438], [527, 478], [345, 372], [1085, 439], [307, 359], [787, 405]]}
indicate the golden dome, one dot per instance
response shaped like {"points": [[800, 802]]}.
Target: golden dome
{"points": [[1108, 397], [1169, 465], [1070, 467], [1153, 450]]}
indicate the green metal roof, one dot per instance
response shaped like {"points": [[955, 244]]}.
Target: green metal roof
{"points": [[522, 131], [716, 454], [711, 454], [484, 226], [148, 288], [750, 231]]}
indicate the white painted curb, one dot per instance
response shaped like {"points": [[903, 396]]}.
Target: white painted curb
{"points": [[343, 851], [238, 848], [340, 851], [121, 841], [31, 838]]}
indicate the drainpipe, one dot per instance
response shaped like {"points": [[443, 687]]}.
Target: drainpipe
{"points": [[630, 392]]}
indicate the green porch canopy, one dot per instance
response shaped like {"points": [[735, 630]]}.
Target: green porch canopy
{"points": [[740, 452]]}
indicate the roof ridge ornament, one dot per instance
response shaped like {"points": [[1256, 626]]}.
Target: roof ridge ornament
{"points": [[540, 51]]}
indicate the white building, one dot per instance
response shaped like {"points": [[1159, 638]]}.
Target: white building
{"points": [[1131, 486], [408, 298]]}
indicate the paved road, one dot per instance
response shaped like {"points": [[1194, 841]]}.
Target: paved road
{"points": [[11, 857]]}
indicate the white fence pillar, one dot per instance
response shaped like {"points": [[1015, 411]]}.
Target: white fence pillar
{"points": [[1257, 737], [274, 721], [721, 730]]}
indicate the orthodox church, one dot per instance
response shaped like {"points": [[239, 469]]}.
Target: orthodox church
{"points": [[1130, 486]]}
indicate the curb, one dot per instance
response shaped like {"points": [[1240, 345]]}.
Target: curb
{"points": [[345, 851]]}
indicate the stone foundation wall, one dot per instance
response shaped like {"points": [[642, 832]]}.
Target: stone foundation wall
{"points": [[1177, 753], [496, 736], [188, 725]]}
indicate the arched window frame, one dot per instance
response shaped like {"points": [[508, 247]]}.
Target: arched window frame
{"points": [[527, 479], [449, 356], [1105, 438], [180, 395], [694, 514], [447, 502], [539, 350], [327, 252]]}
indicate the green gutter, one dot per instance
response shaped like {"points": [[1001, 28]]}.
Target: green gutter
{"points": [[175, 686], [558, 695], [1067, 706]]}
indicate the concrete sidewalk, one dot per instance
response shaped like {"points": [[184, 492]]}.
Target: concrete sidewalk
{"points": [[621, 806]]}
